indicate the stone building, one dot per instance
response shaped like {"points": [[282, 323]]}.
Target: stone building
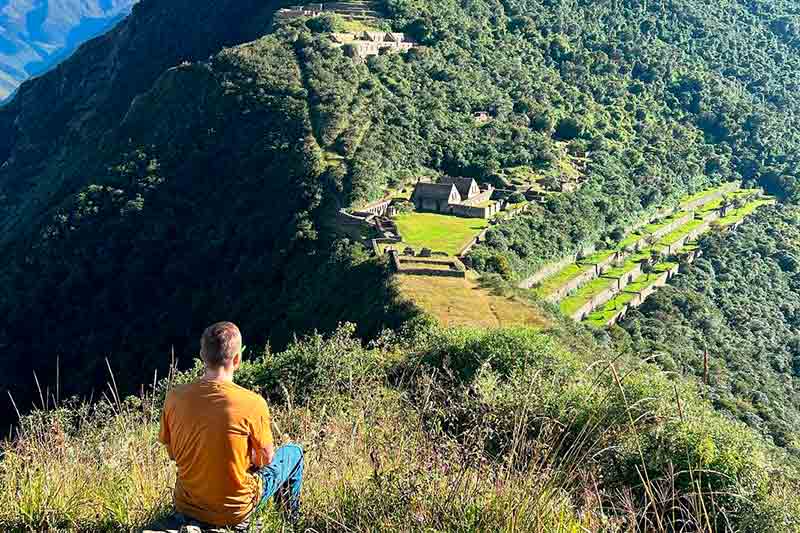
{"points": [[363, 11], [435, 197], [372, 43], [455, 196]]}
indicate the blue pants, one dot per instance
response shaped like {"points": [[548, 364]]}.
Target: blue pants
{"points": [[283, 478]]}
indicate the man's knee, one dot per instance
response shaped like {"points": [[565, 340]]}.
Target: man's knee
{"points": [[293, 452]]}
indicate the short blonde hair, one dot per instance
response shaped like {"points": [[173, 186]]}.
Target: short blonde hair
{"points": [[220, 343]]}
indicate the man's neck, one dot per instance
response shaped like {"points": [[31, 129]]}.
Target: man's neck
{"points": [[220, 374]]}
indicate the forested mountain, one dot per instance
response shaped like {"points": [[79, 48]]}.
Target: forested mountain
{"points": [[37, 34], [187, 165], [740, 306]]}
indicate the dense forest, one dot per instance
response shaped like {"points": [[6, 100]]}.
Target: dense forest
{"points": [[669, 96], [187, 165], [739, 305]]}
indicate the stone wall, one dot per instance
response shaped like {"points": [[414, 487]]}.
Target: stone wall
{"points": [[594, 303], [353, 226], [573, 285], [640, 297], [628, 277], [419, 266], [469, 211], [725, 189], [545, 272], [379, 208]]}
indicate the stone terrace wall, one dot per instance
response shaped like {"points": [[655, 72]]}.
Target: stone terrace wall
{"points": [[374, 208], [628, 277], [573, 285], [640, 297], [595, 302], [470, 211], [725, 189], [547, 271], [416, 266]]}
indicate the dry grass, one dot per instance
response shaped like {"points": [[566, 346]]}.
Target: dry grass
{"points": [[370, 467], [517, 442], [463, 302]]}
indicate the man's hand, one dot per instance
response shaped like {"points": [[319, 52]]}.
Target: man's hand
{"points": [[263, 457]]}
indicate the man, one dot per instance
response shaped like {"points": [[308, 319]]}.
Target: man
{"points": [[220, 437]]}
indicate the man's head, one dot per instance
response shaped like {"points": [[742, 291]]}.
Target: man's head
{"points": [[221, 346]]}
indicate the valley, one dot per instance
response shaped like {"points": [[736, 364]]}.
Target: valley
{"points": [[499, 266]]}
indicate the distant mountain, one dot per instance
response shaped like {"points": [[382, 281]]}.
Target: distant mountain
{"points": [[37, 34]]}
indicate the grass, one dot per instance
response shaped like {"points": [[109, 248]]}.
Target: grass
{"points": [[429, 429], [440, 233], [680, 232], [601, 316], [739, 214], [560, 278], [572, 303], [700, 194], [464, 302]]}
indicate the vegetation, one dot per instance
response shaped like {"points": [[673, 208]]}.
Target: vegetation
{"points": [[468, 302], [147, 190], [737, 304], [443, 429]]}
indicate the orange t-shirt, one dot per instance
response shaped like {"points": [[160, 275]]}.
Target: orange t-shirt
{"points": [[209, 429]]}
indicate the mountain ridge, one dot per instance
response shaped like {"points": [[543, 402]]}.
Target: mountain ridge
{"points": [[36, 35]]}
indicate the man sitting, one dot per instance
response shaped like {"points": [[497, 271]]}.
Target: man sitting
{"points": [[220, 437]]}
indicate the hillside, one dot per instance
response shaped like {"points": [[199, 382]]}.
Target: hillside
{"points": [[36, 35], [298, 171], [739, 305], [433, 429]]}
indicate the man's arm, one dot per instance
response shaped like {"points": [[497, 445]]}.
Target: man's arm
{"points": [[164, 433], [263, 457], [262, 449]]}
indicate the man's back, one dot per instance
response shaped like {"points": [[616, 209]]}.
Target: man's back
{"points": [[210, 429]]}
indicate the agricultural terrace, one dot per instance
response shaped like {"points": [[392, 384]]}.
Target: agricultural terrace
{"points": [[617, 305], [440, 233], [634, 255], [574, 271]]}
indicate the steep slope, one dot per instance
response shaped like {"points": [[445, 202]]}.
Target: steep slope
{"points": [[153, 206], [37, 34], [141, 197], [739, 305]]}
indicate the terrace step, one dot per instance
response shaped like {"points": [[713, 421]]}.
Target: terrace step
{"points": [[557, 283]]}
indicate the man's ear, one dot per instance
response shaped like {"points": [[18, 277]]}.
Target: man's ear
{"points": [[237, 360]]}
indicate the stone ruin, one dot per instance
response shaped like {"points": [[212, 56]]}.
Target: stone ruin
{"points": [[372, 43]]}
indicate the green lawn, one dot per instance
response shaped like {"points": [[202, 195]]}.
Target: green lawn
{"points": [[560, 278], [601, 316], [680, 232], [701, 194], [440, 233]]}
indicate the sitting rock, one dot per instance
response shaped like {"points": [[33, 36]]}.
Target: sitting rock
{"points": [[425, 252], [409, 251]]}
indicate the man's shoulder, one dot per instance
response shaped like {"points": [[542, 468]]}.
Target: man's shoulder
{"points": [[246, 395]]}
